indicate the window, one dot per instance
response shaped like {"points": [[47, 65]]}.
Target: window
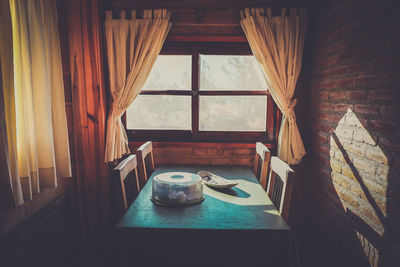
{"points": [[164, 111], [203, 92]]}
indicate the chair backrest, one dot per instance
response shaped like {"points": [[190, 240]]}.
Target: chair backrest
{"points": [[126, 170], [279, 186], [144, 152], [261, 163]]}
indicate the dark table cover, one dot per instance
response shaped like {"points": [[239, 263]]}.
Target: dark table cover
{"points": [[234, 227]]}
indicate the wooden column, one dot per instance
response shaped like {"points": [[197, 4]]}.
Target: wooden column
{"points": [[89, 114]]}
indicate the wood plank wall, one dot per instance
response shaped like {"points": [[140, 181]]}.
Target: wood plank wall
{"points": [[185, 153], [89, 113], [200, 18]]}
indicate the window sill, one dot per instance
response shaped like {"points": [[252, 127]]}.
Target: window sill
{"points": [[201, 137]]}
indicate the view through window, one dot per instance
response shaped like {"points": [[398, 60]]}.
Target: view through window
{"points": [[168, 112], [201, 95], [231, 112]]}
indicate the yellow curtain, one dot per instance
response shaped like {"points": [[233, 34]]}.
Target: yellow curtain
{"points": [[277, 43], [10, 185], [37, 126], [132, 48]]}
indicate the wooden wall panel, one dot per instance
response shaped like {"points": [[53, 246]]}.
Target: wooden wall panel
{"points": [[210, 16], [212, 22], [198, 22], [202, 18], [89, 114], [185, 153], [205, 4], [208, 30]]}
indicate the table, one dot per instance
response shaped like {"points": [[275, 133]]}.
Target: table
{"points": [[235, 227]]}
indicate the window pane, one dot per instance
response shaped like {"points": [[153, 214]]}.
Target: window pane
{"points": [[160, 112], [232, 113], [170, 73], [230, 73]]}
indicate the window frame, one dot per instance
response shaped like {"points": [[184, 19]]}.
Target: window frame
{"points": [[195, 135]]}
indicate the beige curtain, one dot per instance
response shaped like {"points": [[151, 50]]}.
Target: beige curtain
{"points": [[34, 106], [132, 48], [277, 43]]}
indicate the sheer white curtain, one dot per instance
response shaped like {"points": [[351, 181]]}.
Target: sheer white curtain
{"points": [[277, 43], [132, 48], [35, 108]]}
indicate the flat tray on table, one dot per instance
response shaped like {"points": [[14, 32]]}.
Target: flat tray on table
{"points": [[216, 181]]}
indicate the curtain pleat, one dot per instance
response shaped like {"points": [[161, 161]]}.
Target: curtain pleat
{"points": [[6, 187], [132, 48], [35, 106], [9, 178], [58, 115], [277, 43]]}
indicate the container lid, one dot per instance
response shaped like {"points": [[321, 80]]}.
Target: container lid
{"points": [[179, 178]]}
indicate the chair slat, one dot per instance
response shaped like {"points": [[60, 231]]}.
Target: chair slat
{"points": [[280, 167], [261, 163], [278, 189], [143, 152], [124, 170]]}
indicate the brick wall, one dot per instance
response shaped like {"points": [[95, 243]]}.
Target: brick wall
{"points": [[354, 120]]}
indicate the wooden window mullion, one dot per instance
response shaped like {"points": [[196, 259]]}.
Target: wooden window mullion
{"points": [[232, 92], [195, 92], [166, 92]]}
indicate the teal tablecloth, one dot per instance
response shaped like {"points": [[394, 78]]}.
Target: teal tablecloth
{"points": [[235, 227]]}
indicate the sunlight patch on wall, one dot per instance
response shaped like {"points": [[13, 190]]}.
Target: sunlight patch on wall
{"points": [[359, 171], [359, 174], [369, 250]]}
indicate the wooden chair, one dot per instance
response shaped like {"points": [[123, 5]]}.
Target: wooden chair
{"points": [[145, 153], [279, 186], [125, 170], [261, 163]]}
